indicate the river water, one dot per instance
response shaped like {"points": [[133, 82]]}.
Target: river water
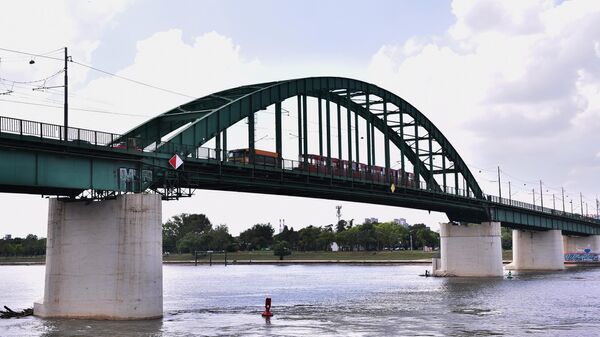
{"points": [[334, 300]]}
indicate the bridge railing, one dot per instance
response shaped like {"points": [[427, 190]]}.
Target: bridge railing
{"points": [[322, 170], [312, 169], [56, 132], [539, 208]]}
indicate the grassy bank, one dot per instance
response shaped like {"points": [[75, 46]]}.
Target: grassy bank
{"points": [[314, 256], [268, 255]]}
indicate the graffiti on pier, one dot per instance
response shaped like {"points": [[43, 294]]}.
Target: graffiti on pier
{"points": [[582, 257]]}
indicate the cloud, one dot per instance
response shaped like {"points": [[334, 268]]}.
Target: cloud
{"points": [[211, 62], [514, 83], [44, 27]]}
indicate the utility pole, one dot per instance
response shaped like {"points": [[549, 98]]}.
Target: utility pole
{"points": [[597, 208], [509, 194], [563, 197], [499, 185], [66, 100], [339, 212], [571, 202], [533, 195], [553, 201], [581, 202], [541, 195]]}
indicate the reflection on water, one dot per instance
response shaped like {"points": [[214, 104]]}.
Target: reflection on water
{"points": [[334, 300]]}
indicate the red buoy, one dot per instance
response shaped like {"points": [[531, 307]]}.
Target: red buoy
{"points": [[267, 312]]}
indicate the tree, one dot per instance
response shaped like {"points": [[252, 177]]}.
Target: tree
{"points": [[308, 238], [506, 238], [258, 237], [281, 249], [348, 239], [424, 236], [341, 226], [190, 243], [180, 225], [366, 236], [220, 239], [325, 239], [389, 234]]}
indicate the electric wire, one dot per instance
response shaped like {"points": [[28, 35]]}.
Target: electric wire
{"points": [[73, 108]]}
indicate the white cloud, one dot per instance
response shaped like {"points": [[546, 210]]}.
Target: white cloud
{"points": [[39, 27], [211, 63], [514, 83]]}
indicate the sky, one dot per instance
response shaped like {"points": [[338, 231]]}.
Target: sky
{"points": [[511, 84]]}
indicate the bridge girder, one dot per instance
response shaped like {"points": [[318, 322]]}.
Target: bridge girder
{"points": [[195, 123]]}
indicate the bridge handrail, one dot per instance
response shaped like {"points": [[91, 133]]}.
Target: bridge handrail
{"points": [[42, 130], [322, 170], [99, 138], [539, 208]]}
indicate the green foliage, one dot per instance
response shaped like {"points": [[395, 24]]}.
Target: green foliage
{"points": [[179, 226], [289, 235], [506, 238], [423, 236], [281, 249], [341, 226], [186, 233], [308, 238], [190, 242], [390, 234], [29, 246], [258, 237]]}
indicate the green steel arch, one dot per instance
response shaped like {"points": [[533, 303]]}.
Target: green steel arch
{"points": [[192, 124]]}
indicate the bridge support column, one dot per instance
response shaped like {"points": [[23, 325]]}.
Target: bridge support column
{"points": [[577, 248], [104, 259], [470, 250], [537, 250]]}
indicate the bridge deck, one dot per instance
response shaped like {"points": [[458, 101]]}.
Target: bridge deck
{"points": [[36, 160]]}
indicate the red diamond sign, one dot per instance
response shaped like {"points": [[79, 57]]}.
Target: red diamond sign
{"points": [[175, 161]]}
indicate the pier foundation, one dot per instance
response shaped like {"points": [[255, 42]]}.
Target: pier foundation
{"points": [[104, 259], [537, 250], [470, 250]]}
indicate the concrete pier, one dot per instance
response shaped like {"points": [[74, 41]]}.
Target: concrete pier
{"points": [[579, 244], [537, 250], [104, 259], [470, 250]]}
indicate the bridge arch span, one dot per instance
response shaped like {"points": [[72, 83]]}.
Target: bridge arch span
{"points": [[193, 124]]}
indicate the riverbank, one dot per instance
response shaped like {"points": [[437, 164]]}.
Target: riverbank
{"points": [[267, 257]]}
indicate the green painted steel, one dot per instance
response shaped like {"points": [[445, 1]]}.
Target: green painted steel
{"points": [[202, 123], [35, 158]]}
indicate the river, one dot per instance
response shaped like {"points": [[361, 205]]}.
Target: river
{"points": [[334, 300]]}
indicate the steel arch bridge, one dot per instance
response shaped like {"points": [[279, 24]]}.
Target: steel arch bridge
{"points": [[417, 139], [371, 122]]}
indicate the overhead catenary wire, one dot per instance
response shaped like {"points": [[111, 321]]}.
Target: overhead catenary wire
{"points": [[101, 71], [78, 109]]}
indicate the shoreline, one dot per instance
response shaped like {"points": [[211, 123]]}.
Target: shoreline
{"points": [[299, 262]]}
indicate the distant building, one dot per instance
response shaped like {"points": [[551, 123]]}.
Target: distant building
{"points": [[7, 237], [402, 222], [371, 220], [335, 247]]}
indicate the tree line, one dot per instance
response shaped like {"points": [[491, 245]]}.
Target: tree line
{"points": [[186, 233], [31, 245]]}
